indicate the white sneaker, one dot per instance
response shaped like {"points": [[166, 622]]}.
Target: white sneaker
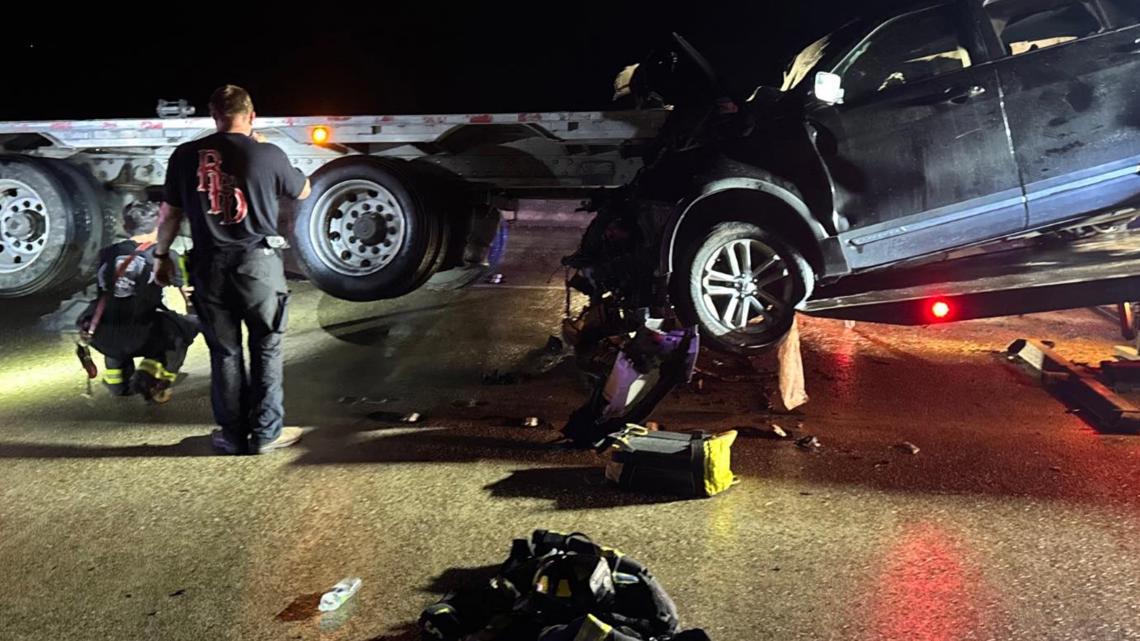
{"points": [[289, 436]]}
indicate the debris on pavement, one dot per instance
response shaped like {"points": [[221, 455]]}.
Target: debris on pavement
{"points": [[793, 392], [557, 587], [808, 443], [396, 417], [881, 464], [341, 592], [495, 279], [495, 377], [362, 400], [653, 363], [908, 447], [724, 378], [531, 421], [772, 431]]}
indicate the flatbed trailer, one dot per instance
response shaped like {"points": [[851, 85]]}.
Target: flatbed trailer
{"points": [[1017, 277], [64, 182]]}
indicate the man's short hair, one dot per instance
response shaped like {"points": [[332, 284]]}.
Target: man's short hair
{"points": [[229, 101], [140, 219]]}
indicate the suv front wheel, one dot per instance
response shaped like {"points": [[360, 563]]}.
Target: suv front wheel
{"points": [[741, 284]]}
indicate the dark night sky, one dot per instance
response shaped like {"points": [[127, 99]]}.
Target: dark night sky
{"points": [[422, 58]]}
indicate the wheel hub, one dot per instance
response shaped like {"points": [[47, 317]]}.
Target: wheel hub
{"points": [[24, 226], [370, 229], [357, 227], [737, 283], [746, 287], [21, 226]]}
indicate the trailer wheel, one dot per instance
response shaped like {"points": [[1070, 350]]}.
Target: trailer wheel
{"points": [[47, 226], [95, 221], [365, 233], [741, 284]]}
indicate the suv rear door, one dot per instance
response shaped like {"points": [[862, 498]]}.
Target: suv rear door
{"points": [[921, 157], [1072, 91]]}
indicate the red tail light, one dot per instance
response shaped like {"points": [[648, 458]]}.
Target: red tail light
{"points": [[940, 310]]}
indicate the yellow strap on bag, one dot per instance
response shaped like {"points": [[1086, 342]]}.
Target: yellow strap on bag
{"points": [[718, 463], [593, 630]]}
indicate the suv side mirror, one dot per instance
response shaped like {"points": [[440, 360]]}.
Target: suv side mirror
{"points": [[828, 88]]}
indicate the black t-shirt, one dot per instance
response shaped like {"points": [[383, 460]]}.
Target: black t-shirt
{"points": [[133, 296], [228, 185]]}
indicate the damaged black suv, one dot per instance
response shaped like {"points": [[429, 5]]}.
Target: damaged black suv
{"points": [[941, 126]]}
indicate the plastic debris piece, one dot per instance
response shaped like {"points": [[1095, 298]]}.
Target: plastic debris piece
{"points": [[339, 593], [531, 421], [777, 431], [792, 391], [908, 447], [414, 417], [495, 279], [808, 443]]}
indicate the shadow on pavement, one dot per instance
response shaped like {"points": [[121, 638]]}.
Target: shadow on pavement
{"points": [[434, 445], [406, 632], [189, 446], [571, 488], [302, 608], [453, 579]]}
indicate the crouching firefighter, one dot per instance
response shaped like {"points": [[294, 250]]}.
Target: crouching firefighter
{"points": [[128, 320]]}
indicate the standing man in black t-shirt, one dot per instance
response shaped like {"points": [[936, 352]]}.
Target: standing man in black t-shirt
{"points": [[227, 185]]}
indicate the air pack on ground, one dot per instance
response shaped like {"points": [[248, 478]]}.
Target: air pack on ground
{"points": [[559, 587]]}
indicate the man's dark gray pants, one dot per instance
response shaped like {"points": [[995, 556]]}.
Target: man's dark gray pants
{"points": [[232, 287]]}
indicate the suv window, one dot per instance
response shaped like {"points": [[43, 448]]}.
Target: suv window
{"points": [[904, 50], [1124, 13], [1028, 25]]}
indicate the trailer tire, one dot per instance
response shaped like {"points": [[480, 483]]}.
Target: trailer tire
{"points": [[704, 295], [365, 233], [49, 222], [93, 216]]}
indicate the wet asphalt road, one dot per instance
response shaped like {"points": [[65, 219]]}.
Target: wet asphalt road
{"points": [[1016, 520]]}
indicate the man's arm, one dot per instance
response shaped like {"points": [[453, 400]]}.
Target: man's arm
{"points": [[291, 182], [169, 224]]}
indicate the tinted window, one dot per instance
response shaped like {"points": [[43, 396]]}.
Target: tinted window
{"points": [[1123, 13], [904, 50], [1028, 25]]}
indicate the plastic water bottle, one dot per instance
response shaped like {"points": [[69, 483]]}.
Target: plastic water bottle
{"points": [[339, 593]]}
